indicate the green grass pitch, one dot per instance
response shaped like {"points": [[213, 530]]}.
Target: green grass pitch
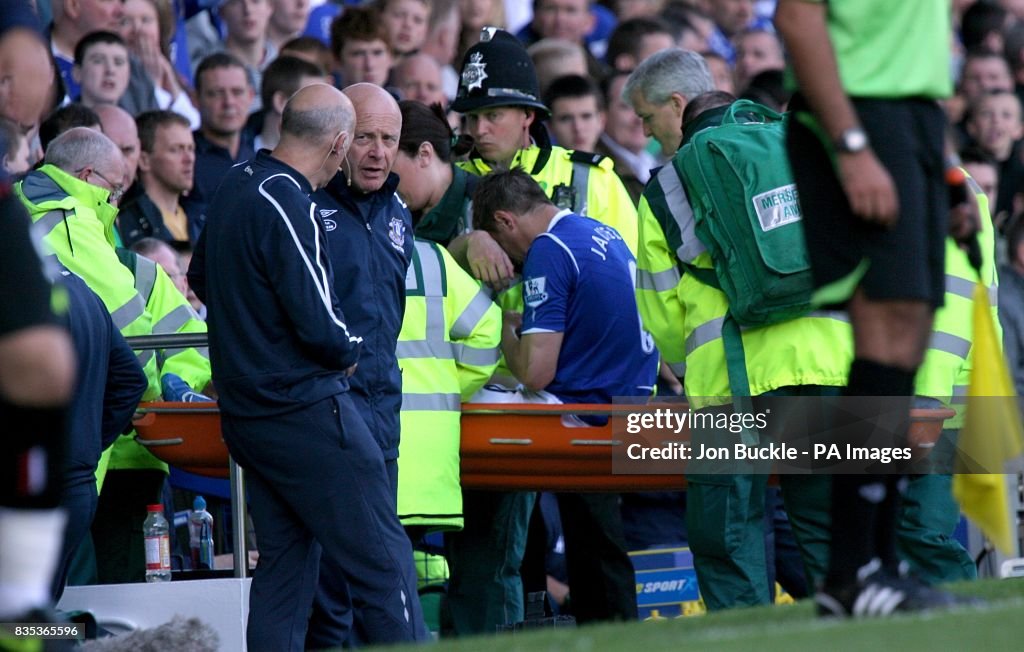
{"points": [[999, 625]]}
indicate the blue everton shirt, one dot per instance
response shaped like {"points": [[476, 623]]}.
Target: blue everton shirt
{"points": [[578, 280]]}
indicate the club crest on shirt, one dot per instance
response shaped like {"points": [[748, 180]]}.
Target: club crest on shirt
{"points": [[396, 231], [329, 225], [534, 291], [474, 73]]}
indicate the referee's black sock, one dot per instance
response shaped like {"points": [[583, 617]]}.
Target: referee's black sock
{"points": [[865, 507]]}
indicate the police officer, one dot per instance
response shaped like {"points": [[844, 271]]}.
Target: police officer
{"points": [[499, 94]]}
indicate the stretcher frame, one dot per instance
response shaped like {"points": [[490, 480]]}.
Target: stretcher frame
{"points": [[503, 447]]}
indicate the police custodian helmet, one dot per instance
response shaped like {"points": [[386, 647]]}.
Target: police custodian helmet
{"points": [[497, 71]]}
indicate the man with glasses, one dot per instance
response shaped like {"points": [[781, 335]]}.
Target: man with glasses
{"points": [[116, 189], [70, 200]]}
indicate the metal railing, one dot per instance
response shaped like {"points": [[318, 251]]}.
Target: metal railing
{"points": [[236, 476]]}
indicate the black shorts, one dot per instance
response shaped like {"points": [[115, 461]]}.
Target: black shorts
{"points": [[902, 263]]}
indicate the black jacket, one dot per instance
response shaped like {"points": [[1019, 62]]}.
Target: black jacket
{"points": [[140, 218]]}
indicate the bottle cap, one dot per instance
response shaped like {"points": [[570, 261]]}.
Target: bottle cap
{"points": [[199, 503], [955, 176], [154, 508]]}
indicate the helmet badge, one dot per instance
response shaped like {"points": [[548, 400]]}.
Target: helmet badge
{"points": [[473, 74]]}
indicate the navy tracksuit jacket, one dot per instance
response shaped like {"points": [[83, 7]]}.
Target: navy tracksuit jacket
{"points": [[370, 243], [110, 383]]}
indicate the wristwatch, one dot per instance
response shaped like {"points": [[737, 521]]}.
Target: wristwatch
{"points": [[851, 141]]}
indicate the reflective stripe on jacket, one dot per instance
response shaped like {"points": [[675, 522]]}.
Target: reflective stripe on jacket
{"points": [[946, 370], [447, 350], [685, 316]]}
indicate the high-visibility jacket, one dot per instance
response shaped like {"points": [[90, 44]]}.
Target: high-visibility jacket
{"points": [[447, 349], [948, 360], [590, 177], [76, 222], [170, 313], [685, 316]]}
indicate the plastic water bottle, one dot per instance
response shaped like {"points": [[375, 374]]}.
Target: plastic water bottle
{"points": [[200, 535], [158, 545]]}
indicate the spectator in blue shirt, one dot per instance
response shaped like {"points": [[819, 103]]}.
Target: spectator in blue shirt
{"points": [[731, 18], [225, 91]]}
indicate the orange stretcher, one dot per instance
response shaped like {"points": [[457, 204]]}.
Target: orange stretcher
{"points": [[503, 447]]}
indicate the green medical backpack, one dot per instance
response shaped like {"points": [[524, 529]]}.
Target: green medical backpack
{"points": [[747, 215]]}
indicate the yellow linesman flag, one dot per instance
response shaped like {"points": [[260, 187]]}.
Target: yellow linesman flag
{"points": [[991, 435]]}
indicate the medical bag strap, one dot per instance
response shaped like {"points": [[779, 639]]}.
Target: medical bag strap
{"points": [[735, 357], [739, 382]]}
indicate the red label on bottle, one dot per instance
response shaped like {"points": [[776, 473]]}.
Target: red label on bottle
{"points": [[158, 553]]}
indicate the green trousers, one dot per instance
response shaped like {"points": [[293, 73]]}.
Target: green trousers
{"points": [[928, 518], [485, 589], [725, 520]]}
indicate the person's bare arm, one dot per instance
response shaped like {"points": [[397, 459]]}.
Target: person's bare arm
{"points": [[868, 185], [669, 379], [37, 367], [478, 253], [532, 358]]}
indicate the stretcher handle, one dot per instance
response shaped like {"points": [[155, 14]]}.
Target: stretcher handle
{"points": [[170, 407], [151, 443], [544, 410]]}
